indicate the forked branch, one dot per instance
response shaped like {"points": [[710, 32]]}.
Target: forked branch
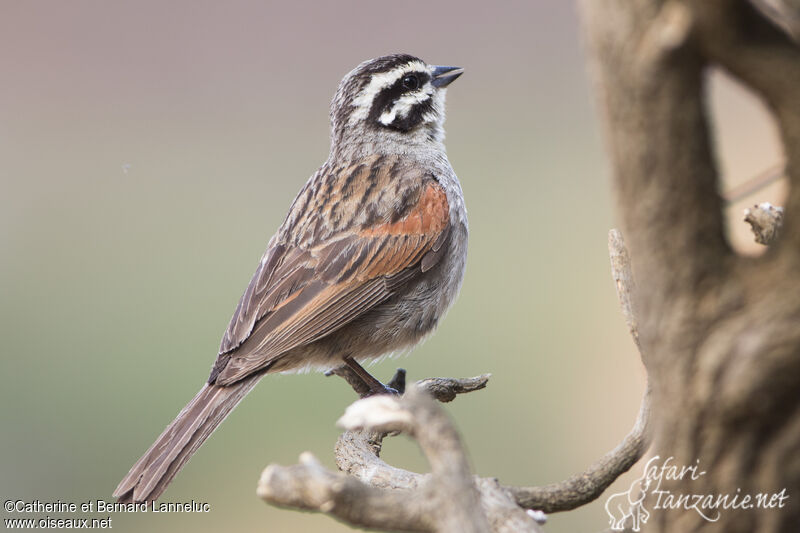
{"points": [[372, 493]]}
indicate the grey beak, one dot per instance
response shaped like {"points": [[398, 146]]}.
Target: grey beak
{"points": [[444, 76]]}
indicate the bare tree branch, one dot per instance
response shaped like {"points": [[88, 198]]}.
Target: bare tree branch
{"points": [[369, 421], [447, 499], [312, 487], [458, 505], [622, 272], [357, 452], [446, 389]]}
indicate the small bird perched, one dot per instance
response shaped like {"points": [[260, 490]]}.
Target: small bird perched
{"points": [[369, 258]]}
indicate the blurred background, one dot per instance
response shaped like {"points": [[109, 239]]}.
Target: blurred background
{"points": [[148, 151]]}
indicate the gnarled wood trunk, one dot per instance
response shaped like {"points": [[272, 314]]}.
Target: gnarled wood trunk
{"points": [[720, 333]]}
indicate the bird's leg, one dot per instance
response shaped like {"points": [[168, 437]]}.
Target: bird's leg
{"points": [[352, 379], [398, 381], [375, 386]]}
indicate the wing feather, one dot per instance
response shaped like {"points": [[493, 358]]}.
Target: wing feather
{"points": [[300, 294]]}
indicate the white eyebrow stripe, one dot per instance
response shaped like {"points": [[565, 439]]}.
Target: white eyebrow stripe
{"points": [[402, 106], [379, 82]]}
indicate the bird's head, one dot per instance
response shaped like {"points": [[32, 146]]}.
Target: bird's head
{"points": [[391, 104]]}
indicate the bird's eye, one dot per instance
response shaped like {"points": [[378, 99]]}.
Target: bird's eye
{"points": [[410, 82]]}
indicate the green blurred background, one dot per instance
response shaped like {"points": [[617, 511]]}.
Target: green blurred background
{"points": [[148, 150]]}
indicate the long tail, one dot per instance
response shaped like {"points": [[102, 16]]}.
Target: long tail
{"points": [[151, 474]]}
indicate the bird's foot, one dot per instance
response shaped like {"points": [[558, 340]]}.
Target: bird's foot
{"points": [[381, 389]]}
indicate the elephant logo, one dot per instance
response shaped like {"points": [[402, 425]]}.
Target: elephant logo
{"points": [[629, 505]]}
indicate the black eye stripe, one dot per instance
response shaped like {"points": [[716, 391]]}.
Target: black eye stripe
{"points": [[386, 98]]}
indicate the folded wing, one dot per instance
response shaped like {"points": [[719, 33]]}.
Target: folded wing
{"points": [[300, 294]]}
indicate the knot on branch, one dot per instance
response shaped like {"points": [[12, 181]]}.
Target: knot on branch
{"points": [[765, 220]]}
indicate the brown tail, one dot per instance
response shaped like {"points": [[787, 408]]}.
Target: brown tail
{"points": [[151, 474]]}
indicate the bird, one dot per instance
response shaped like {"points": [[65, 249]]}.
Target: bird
{"points": [[368, 260]]}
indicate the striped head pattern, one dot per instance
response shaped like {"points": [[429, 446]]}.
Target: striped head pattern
{"points": [[398, 97]]}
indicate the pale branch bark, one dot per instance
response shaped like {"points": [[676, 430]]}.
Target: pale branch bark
{"points": [[718, 331], [458, 507], [622, 272], [312, 487], [447, 499], [357, 453], [506, 508], [446, 389], [419, 497], [765, 220]]}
